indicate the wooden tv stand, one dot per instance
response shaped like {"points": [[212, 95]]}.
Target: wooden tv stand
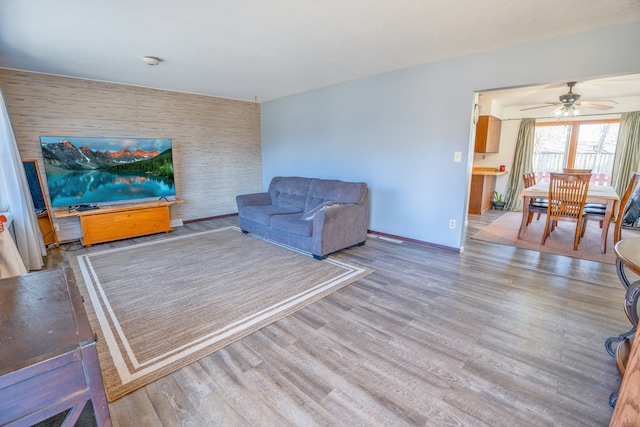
{"points": [[116, 222]]}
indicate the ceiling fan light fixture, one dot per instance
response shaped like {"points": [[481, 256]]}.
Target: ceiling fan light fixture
{"points": [[567, 111]]}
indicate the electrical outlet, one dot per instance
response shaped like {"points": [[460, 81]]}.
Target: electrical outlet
{"points": [[457, 156], [452, 223], [56, 226]]}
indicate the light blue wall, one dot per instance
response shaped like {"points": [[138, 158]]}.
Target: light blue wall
{"points": [[398, 131]]}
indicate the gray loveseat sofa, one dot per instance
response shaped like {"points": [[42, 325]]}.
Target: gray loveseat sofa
{"points": [[318, 216]]}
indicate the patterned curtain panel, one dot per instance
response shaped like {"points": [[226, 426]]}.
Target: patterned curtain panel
{"points": [[522, 163], [17, 196], [627, 157]]}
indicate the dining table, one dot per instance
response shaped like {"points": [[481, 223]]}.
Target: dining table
{"points": [[603, 194]]}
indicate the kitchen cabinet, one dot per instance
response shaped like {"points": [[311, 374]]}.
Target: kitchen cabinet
{"points": [[488, 134]]}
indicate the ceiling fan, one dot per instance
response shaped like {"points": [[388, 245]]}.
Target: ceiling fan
{"points": [[569, 101]]}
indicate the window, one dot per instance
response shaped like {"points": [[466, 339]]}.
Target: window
{"points": [[578, 144]]}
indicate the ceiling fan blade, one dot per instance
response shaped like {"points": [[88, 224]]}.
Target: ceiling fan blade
{"points": [[541, 106], [602, 100], [595, 106], [558, 108]]}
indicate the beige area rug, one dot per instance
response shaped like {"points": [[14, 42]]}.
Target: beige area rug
{"points": [[504, 230], [160, 305]]}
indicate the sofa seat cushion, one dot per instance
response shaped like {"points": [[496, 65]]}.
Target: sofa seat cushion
{"points": [[263, 214], [292, 223]]}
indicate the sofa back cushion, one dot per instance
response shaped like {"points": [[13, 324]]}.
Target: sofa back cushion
{"points": [[289, 192], [323, 190]]}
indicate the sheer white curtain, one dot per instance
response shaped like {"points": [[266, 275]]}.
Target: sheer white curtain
{"points": [[17, 197], [522, 163], [627, 159]]}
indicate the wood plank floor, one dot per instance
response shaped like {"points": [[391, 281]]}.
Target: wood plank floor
{"points": [[493, 336]]}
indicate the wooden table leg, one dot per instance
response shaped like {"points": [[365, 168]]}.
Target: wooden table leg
{"points": [[96, 385], [525, 216]]}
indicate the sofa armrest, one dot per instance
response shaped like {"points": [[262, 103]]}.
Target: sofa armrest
{"points": [[254, 199], [339, 227]]}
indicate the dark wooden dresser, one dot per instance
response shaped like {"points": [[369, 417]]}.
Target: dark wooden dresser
{"points": [[48, 358]]}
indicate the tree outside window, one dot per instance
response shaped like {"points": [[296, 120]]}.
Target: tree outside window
{"points": [[577, 144]]}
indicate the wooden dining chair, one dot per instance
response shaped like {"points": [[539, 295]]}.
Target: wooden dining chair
{"points": [[538, 206], [576, 171], [592, 210], [628, 201], [567, 197], [529, 179]]}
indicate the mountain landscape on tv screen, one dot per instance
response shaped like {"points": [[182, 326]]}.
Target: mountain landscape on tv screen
{"points": [[106, 169], [65, 155]]}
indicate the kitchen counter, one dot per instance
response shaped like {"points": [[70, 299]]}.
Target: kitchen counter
{"points": [[488, 171]]}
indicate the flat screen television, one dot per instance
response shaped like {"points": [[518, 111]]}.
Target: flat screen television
{"points": [[90, 171]]}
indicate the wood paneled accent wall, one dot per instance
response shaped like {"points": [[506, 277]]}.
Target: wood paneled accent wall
{"points": [[216, 142]]}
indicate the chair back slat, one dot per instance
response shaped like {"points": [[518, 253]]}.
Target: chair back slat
{"points": [[567, 194]]}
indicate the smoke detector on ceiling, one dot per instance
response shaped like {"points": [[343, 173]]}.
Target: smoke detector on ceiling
{"points": [[150, 60]]}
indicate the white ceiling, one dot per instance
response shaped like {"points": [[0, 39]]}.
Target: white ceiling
{"points": [[244, 49]]}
